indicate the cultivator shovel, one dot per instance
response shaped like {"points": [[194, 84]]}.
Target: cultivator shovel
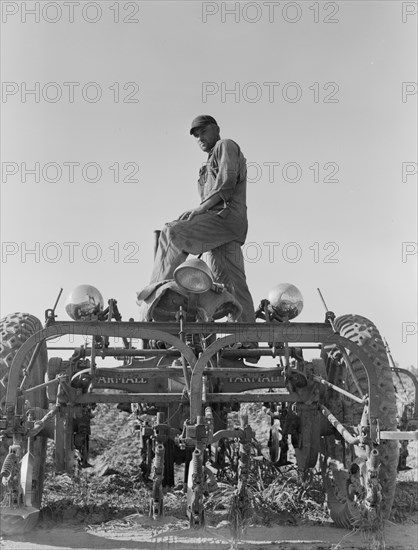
{"points": [[17, 480]]}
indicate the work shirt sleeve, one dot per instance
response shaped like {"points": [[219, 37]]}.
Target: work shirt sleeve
{"points": [[223, 170]]}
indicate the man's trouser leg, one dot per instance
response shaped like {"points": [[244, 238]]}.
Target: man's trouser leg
{"points": [[170, 254], [180, 238], [227, 265]]}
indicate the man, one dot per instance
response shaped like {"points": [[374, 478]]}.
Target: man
{"points": [[219, 224]]}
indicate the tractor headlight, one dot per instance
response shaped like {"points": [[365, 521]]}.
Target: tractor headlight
{"points": [[286, 300], [194, 276], [83, 303]]}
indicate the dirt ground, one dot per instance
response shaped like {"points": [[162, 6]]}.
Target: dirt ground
{"points": [[138, 532], [104, 508]]}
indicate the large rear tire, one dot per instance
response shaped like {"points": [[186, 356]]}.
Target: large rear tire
{"points": [[344, 510], [15, 329]]}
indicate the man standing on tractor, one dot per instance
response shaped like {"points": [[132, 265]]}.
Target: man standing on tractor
{"points": [[219, 224]]}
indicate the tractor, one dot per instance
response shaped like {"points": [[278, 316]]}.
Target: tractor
{"points": [[185, 367]]}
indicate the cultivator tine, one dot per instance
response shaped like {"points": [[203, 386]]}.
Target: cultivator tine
{"points": [[240, 508], [374, 489], [160, 438], [157, 498], [195, 490], [199, 435], [244, 454]]}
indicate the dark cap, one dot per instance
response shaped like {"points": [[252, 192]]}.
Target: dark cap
{"points": [[201, 121]]}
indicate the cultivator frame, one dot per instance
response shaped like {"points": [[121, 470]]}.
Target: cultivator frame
{"points": [[197, 380]]}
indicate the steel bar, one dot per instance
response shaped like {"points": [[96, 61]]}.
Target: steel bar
{"points": [[351, 439], [399, 436], [321, 380], [161, 371], [239, 374], [169, 372], [350, 370], [30, 365], [247, 332], [186, 373], [162, 398], [242, 371], [61, 348], [181, 335], [93, 361], [120, 352], [57, 300], [253, 398], [44, 385]]}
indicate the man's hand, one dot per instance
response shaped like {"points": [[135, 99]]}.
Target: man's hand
{"points": [[204, 207], [189, 214]]}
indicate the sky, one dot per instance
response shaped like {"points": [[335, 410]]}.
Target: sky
{"points": [[97, 99]]}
